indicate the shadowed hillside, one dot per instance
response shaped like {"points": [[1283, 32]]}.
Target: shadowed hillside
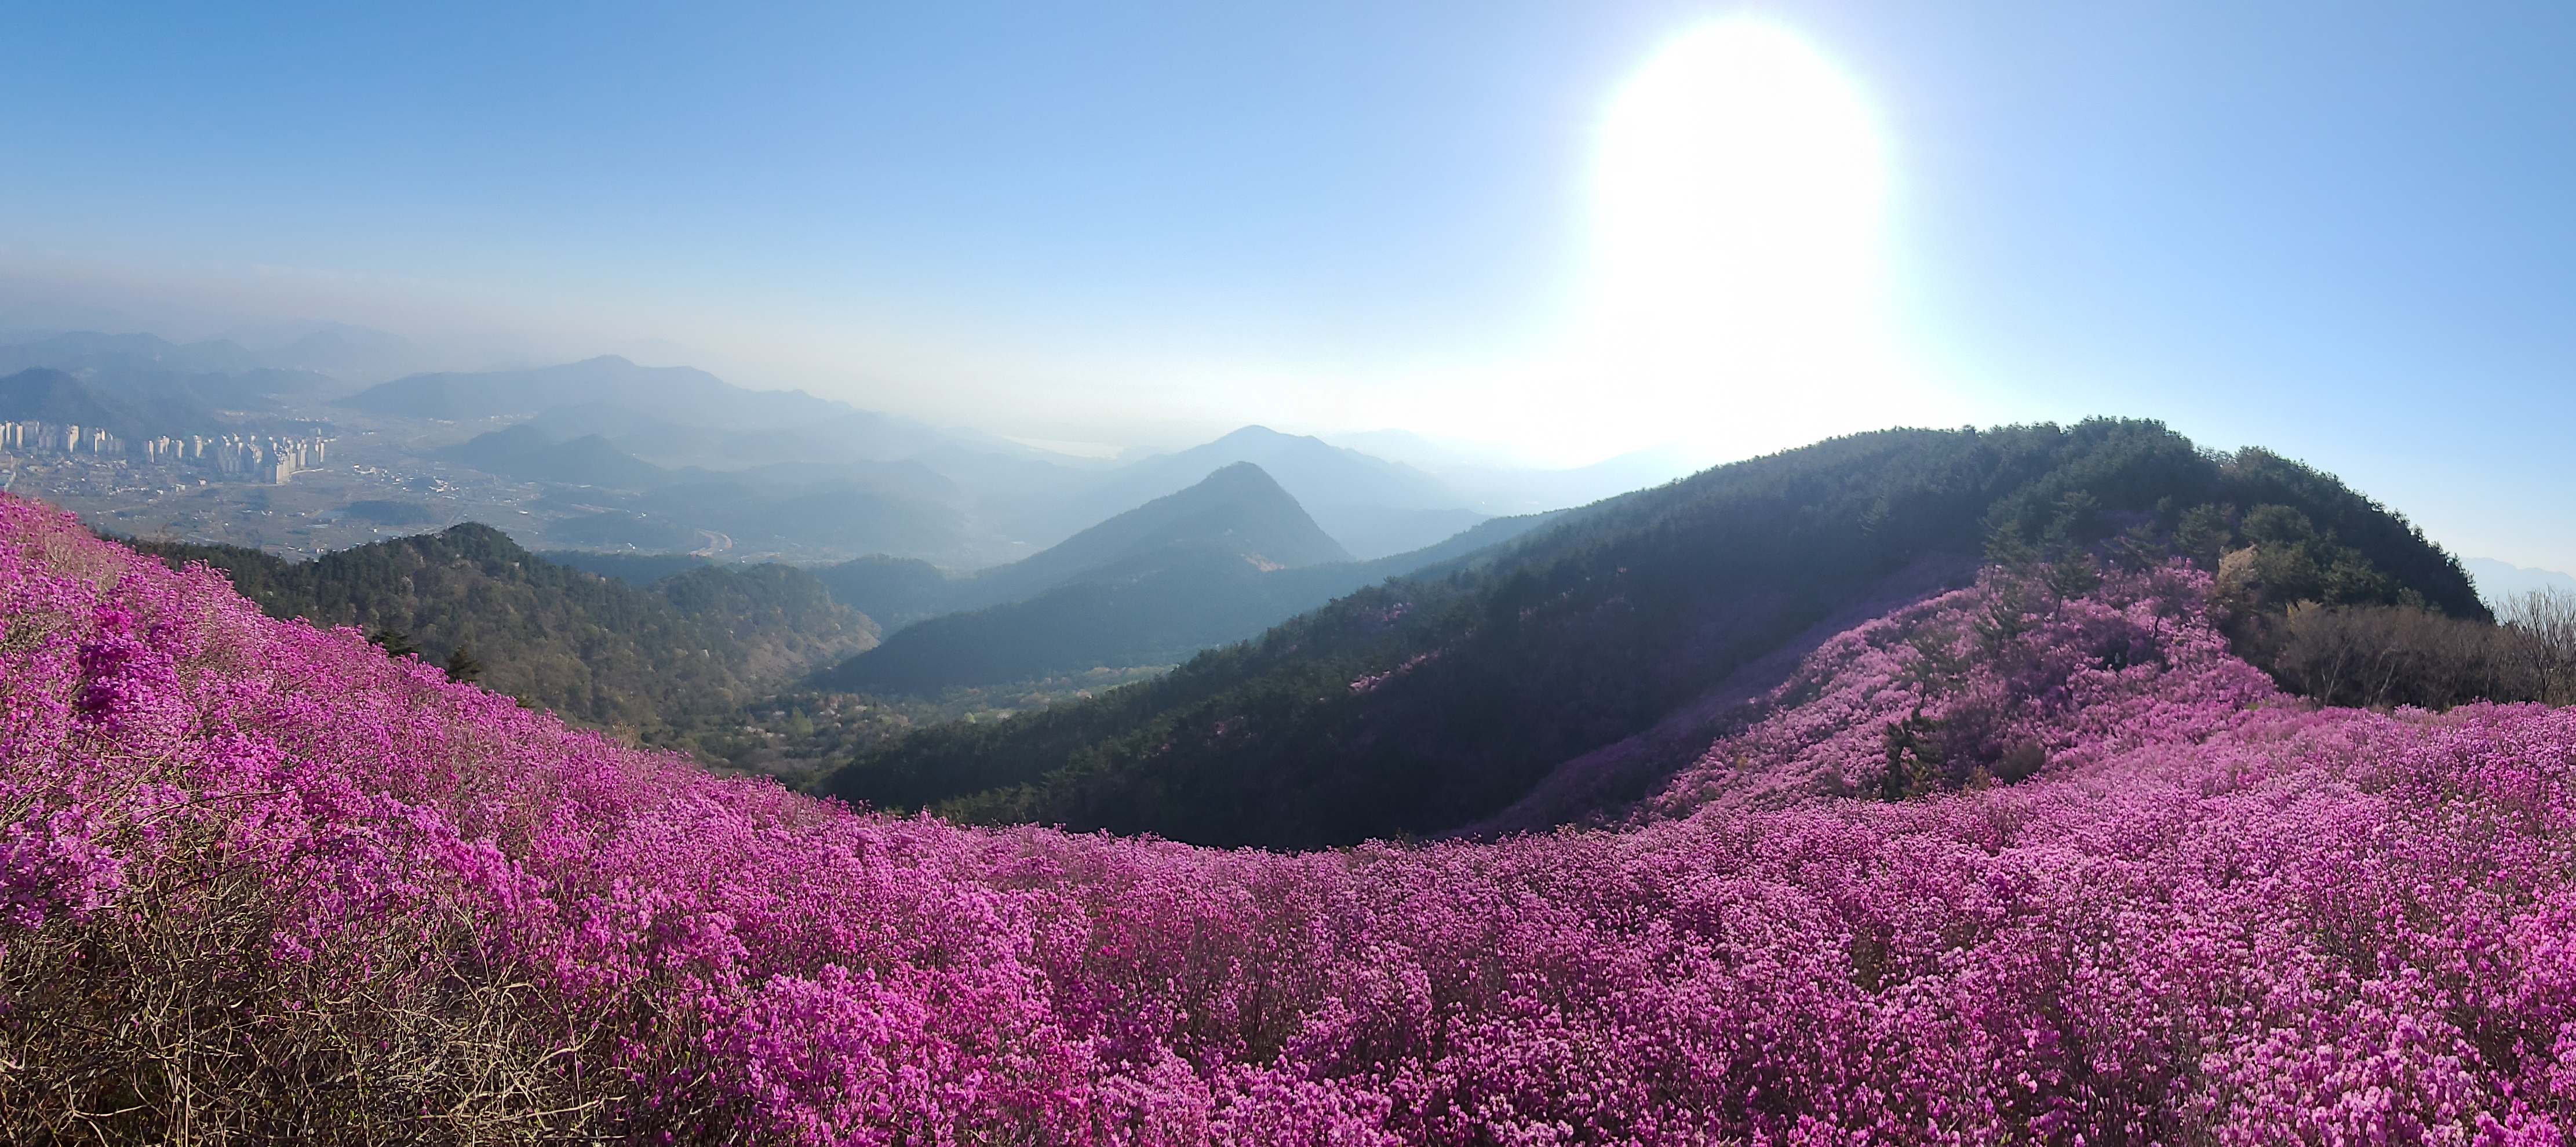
{"points": [[1425, 705]]}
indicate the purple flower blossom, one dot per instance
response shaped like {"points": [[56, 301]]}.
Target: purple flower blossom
{"points": [[2131, 893]]}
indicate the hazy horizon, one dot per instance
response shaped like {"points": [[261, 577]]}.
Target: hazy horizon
{"points": [[1549, 234]]}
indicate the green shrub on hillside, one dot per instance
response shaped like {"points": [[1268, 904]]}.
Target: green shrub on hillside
{"points": [[593, 649]]}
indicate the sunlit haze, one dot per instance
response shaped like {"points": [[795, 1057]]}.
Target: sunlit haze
{"points": [[1733, 278], [1546, 233], [1446, 571], [1738, 267]]}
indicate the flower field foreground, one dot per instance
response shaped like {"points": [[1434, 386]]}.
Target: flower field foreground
{"points": [[262, 882]]}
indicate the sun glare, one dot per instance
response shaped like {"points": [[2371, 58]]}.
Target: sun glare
{"points": [[1737, 196]]}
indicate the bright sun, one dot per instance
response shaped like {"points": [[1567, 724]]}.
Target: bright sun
{"points": [[1736, 270]]}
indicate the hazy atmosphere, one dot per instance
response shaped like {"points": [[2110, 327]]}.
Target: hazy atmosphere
{"points": [[2334, 230], [1622, 574]]}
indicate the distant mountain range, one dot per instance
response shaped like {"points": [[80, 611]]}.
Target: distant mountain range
{"points": [[668, 392], [89, 351], [138, 386], [1571, 669], [607, 422], [217, 373], [134, 406], [638, 434], [41, 395], [2500, 581], [644, 459], [1372, 506]]}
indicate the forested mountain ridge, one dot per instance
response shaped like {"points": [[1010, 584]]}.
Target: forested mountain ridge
{"points": [[594, 649], [1424, 705]]}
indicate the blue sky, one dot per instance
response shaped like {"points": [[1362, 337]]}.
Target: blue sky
{"points": [[2336, 230]]}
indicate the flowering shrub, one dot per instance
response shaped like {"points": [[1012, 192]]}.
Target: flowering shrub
{"points": [[263, 881], [1369, 682], [1987, 684]]}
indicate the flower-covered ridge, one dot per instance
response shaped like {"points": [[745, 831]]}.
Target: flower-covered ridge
{"points": [[262, 880], [1992, 683]]}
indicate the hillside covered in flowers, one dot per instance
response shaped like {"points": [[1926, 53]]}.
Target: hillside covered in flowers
{"points": [[2032, 861]]}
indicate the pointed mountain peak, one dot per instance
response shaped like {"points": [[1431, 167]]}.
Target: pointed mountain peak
{"points": [[1238, 477], [1236, 508], [1239, 504]]}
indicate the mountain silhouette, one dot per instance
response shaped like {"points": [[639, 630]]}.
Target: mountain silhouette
{"points": [[1151, 587], [1237, 510], [1369, 505]]}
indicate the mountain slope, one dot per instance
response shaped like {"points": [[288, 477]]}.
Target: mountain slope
{"points": [[612, 396], [198, 378], [1145, 587], [1370, 505], [1157, 609], [895, 591], [39, 394], [114, 354], [594, 649], [1237, 509], [1425, 705], [1212, 564], [138, 403]]}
